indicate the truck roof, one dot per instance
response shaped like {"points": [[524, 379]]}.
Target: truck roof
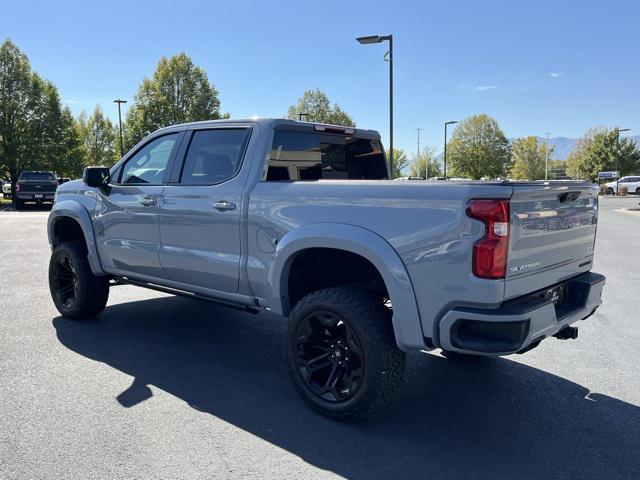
{"points": [[271, 122]]}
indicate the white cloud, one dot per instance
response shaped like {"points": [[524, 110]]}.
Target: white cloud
{"points": [[486, 87], [70, 100], [556, 74]]}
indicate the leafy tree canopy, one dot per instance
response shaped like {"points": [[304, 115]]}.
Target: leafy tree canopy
{"points": [[99, 137], [318, 108], [399, 161], [420, 162], [529, 159], [36, 132], [596, 152], [478, 148], [179, 91]]}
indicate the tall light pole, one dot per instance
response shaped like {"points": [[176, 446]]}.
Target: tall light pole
{"points": [[450, 122], [618, 130], [379, 39], [119, 102], [546, 158], [426, 173]]}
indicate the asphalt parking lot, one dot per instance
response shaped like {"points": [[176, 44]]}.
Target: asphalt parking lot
{"points": [[167, 387]]}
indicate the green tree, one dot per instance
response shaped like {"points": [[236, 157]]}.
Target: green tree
{"points": [[478, 148], [73, 155], [419, 163], [558, 169], [318, 108], [33, 124], [179, 91], [596, 151], [16, 107], [528, 158], [398, 163], [99, 136]]}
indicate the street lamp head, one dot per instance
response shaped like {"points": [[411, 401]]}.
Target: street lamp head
{"points": [[623, 129], [118, 100], [451, 122], [369, 39]]}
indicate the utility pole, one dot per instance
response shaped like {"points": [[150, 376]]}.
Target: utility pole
{"points": [[426, 171], [119, 102], [546, 159]]}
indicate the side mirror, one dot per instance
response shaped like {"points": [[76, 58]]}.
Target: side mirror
{"points": [[96, 176]]}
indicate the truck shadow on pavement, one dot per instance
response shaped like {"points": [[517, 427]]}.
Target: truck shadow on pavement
{"points": [[490, 418]]}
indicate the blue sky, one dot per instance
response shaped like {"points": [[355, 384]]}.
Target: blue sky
{"points": [[560, 66]]}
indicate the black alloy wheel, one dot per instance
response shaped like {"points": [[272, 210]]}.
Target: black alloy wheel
{"points": [[329, 356], [65, 281]]}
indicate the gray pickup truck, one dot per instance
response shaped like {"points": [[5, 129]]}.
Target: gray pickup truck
{"points": [[301, 219]]}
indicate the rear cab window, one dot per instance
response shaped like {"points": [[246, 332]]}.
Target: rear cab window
{"points": [[311, 155], [37, 177]]}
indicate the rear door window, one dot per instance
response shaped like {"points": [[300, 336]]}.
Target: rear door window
{"points": [[299, 155], [214, 156]]}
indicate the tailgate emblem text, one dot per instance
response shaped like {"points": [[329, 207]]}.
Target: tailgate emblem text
{"points": [[526, 266]]}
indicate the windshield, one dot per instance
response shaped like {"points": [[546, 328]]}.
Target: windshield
{"points": [[37, 177]]}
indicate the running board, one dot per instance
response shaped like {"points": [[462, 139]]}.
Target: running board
{"points": [[184, 293]]}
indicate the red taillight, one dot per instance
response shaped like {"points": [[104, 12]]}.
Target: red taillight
{"points": [[490, 252]]}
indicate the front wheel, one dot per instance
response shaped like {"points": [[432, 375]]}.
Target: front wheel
{"points": [[341, 352], [76, 292]]}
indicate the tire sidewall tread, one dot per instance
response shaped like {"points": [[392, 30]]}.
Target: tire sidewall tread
{"points": [[384, 361], [93, 290]]}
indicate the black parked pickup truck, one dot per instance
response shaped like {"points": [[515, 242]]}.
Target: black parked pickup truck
{"points": [[39, 187]]}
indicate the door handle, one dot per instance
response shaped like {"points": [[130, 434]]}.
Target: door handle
{"points": [[148, 201], [224, 205]]}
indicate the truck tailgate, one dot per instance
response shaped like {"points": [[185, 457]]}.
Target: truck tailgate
{"points": [[552, 234]]}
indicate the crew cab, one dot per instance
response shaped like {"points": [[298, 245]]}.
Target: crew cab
{"points": [[302, 219], [35, 186]]}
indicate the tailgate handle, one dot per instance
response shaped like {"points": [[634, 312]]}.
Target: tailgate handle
{"points": [[568, 196]]}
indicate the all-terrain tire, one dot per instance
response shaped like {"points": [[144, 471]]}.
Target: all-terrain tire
{"points": [[382, 362], [76, 292]]}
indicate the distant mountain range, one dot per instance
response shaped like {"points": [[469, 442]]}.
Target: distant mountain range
{"points": [[563, 145]]}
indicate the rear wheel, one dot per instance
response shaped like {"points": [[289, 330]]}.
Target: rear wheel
{"points": [[638, 191], [610, 191], [19, 204], [341, 352], [76, 292]]}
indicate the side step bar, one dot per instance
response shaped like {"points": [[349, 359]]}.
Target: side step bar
{"points": [[184, 293]]}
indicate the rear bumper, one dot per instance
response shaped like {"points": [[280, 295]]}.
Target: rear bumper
{"points": [[522, 323], [36, 197]]}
